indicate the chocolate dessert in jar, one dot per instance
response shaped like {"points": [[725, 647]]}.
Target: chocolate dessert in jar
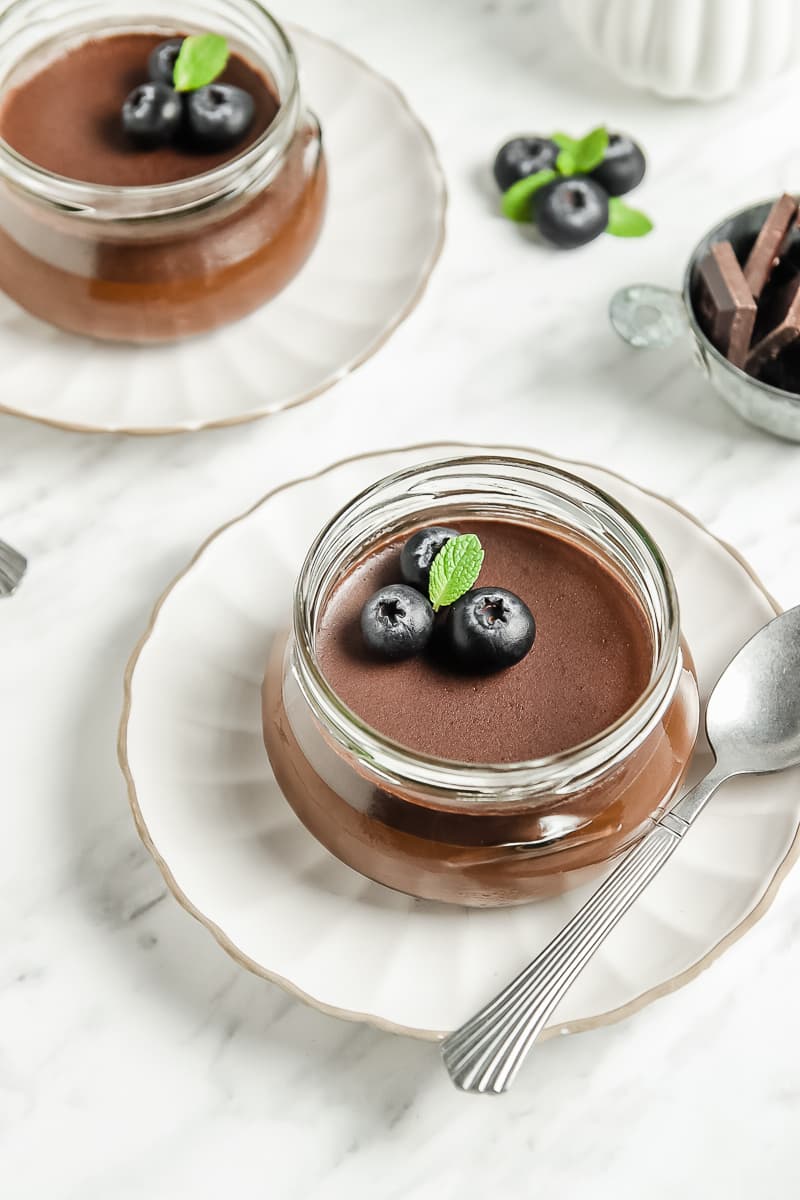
{"points": [[447, 774], [110, 235]]}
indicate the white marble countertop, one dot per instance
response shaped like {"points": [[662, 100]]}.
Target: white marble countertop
{"points": [[135, 1059]]}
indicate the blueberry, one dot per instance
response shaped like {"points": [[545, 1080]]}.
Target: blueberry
{"points": [[490, 628], [161, 63], [419, 552], [523, 156], [571, 211], [397, 622], [219, 114], [623, 166], [152, 114]]}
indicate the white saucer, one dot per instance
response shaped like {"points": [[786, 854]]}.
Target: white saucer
{"points": [[235, 855], [382, 234]]}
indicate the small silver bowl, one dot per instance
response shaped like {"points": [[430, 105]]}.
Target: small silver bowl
{"points": [[649, 317]]}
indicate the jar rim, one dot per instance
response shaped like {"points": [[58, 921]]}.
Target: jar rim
{"points": [[108, 201], [400, 764]]}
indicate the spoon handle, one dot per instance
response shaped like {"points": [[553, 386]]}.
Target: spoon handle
{"points": [[485, 1054]]}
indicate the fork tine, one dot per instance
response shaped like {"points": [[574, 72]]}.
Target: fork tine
{"points": [[12, 568], [8, 583], [12, 558]]}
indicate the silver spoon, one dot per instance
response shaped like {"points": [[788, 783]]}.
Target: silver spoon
{"points": [[753, 726]]}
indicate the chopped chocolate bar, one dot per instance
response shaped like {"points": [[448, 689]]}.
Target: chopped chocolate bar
{"points": [[725, 306], [784, 322], [771, 240]]}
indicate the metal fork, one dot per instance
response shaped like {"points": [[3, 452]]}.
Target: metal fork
{"points": [[12, 567]]}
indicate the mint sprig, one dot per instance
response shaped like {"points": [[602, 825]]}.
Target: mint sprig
{"points": [[455, 569], [626, 222], [576, 156], [591, 150], [516, 202], [202, 59]]}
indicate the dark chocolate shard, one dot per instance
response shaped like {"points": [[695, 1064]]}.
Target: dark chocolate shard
{"points": [[783, 320], [725, 307], [784, 371], [771, 240]]}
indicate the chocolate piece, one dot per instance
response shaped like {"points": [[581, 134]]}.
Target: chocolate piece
{"points": [[784, 371], [770, 242], [783, 324], [725, 307]]}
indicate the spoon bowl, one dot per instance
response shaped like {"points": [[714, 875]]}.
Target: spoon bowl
{"points": [[753, 715]]}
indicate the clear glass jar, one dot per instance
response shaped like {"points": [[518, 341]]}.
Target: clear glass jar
{"points": [[479, 834], [148, 264]]}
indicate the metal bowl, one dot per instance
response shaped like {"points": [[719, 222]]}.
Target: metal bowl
{"points": [[649, 317]]}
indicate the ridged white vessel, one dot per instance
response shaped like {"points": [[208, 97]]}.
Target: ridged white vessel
{"points": [[235, 855], [380, 240], [694, 49]]}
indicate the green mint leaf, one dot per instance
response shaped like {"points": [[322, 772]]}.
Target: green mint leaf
{"points": [[591, 150], [203, 57], [516, 202], [565, 142], [455, 569], [565, 163], [626, 222]]}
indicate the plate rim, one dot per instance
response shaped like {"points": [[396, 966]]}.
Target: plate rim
{"points": [[443, 201], [611, 1016]]}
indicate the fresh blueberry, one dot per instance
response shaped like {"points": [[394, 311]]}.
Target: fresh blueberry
{"points": [[623, 166], [219, 114], [571, 211], [490, 628], [152, 114], [161, 63], [397, 622], [523, 156], [419, 552]]}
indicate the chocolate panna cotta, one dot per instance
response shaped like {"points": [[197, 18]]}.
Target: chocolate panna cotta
{"points": [[570, 674], [67, 117], [222, 244]]}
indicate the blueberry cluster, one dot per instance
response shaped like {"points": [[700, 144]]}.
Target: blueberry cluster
{"points": [[574, 185], [485, 629], [211, 117]]}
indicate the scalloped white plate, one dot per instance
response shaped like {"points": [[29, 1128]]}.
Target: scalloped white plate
{"points": [[382, 234], [235, 855]]}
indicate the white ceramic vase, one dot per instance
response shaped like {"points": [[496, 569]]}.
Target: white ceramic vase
{"points": [[698, 49]]}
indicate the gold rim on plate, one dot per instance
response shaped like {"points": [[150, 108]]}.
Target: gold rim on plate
{"points": [[579, 1026]]}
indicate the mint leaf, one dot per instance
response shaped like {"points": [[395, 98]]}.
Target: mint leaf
{"points": [[626, 222], [565, 142], [455, 568], [516, 202], [591, 150], [565, 163], [202, 58]]}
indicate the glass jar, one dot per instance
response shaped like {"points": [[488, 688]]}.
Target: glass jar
{"points": [[479, 834], [148, 264]]}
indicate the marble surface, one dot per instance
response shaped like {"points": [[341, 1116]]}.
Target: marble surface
{"points": [[135, 1059]]}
